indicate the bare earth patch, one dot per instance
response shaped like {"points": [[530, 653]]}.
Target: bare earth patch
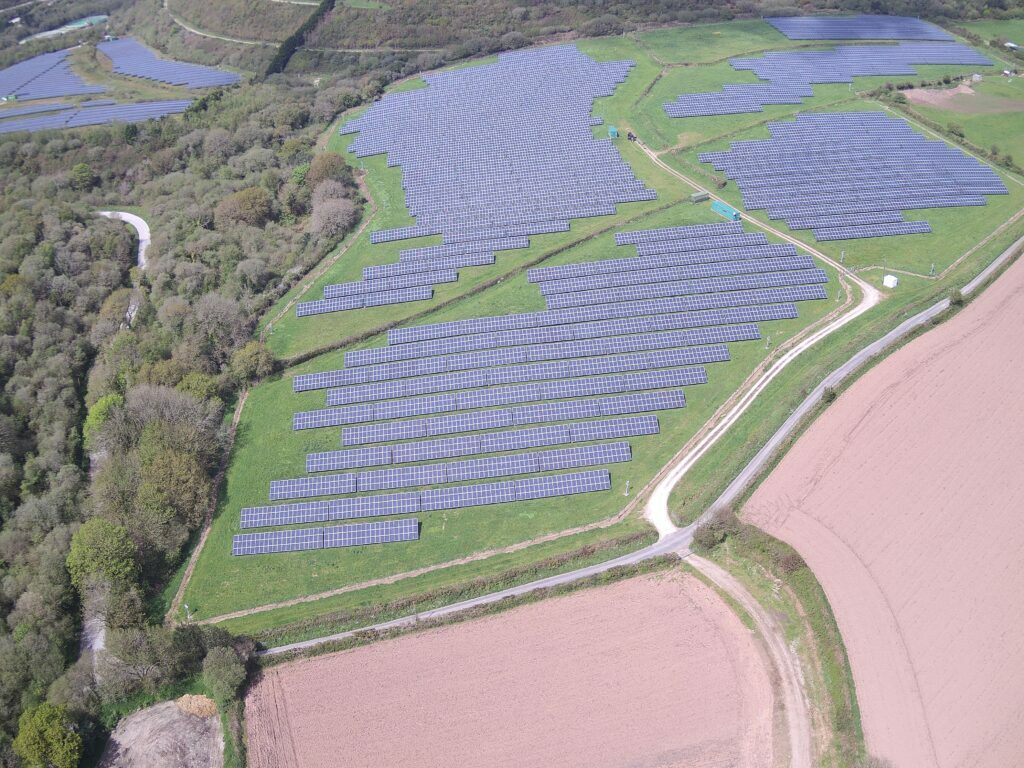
{"points": [[963, 99], [165, 736], [653, 671], [906, 499]]}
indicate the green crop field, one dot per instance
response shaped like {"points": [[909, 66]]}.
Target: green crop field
{"points": [[266, 447]]}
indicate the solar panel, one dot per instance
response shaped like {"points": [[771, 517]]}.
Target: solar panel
{"points": [[358, 534], [277, 541], [563, 485], [334, 509]]}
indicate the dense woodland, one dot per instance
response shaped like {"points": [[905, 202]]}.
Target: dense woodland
{"points": [[110, 432]]}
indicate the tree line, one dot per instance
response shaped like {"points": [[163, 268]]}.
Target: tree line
{"points": [[111, 429]]}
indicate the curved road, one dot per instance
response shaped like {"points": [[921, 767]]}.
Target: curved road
{"points": [[142, 230], [139, 225]]}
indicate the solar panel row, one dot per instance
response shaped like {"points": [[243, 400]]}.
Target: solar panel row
{"points": [[520, 416], [450, 472], [356, 534]]}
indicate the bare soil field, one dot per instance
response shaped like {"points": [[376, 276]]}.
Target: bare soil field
{"points": [[963, 99], [653, 671], [906, 499], [165, 736]]}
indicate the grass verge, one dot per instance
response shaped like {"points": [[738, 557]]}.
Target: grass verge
{"points": [[780, 580]]}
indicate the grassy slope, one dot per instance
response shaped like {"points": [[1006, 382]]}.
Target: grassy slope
{"points": [[267, 448]]}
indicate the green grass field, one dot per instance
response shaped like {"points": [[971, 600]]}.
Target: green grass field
{"points": [[992, 117], [266, 448]]}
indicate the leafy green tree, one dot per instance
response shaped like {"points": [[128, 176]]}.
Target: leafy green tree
{"points": [[100, 549], [82, 177], [223, 672], [252, 362], [97, 417], [47, 738], [201, 386]]}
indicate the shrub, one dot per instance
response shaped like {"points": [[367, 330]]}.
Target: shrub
{"points": [[223, 673], [97, 416], [100, 549], [326, 166], [332, 218], [716, 529], [47, 739], [956, 298], [82, 177], [252, 206]]}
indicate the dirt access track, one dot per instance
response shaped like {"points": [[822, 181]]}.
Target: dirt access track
{"points": [[906, 499], [654, 671]]}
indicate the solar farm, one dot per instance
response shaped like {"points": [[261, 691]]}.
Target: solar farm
{"points": [[538, 318], [51, 76]]}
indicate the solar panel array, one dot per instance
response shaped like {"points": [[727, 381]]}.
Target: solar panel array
{"points": [[301, 539], [860, 27], [132, 58], [513, 398], [96, 113], [852, 175], [46, 76], [790, 74], [482, 180]]}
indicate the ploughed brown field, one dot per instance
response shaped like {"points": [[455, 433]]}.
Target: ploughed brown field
{"points": [[652, 671], [907, 500]]}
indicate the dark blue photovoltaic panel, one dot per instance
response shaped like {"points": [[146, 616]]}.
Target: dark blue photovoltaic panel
{"points": [[852, 174], [277, 541], [357, 534], [563, 485], [132, 58], [335, 509], [859, 27], [789, 75], [577, 315]]}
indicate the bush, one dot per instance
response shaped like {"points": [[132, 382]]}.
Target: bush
{"points": [[252, 206], [324, 167], [956, 298], [332, 218], [47, 739], [97, 417], [715, 530], [252, 362], [224, 673], [82, 177], [829, 395], [101, 550]]}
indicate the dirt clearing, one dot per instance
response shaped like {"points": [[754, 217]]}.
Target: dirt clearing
{"points": [[906, 499], [653, 671], [166, 736], [963, 99]]}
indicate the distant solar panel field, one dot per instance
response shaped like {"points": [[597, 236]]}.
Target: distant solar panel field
{"points": [[860, 27], [133, 59], [789, 75], [489, 156], [46, 76], [97, 113], [851, 175]]}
